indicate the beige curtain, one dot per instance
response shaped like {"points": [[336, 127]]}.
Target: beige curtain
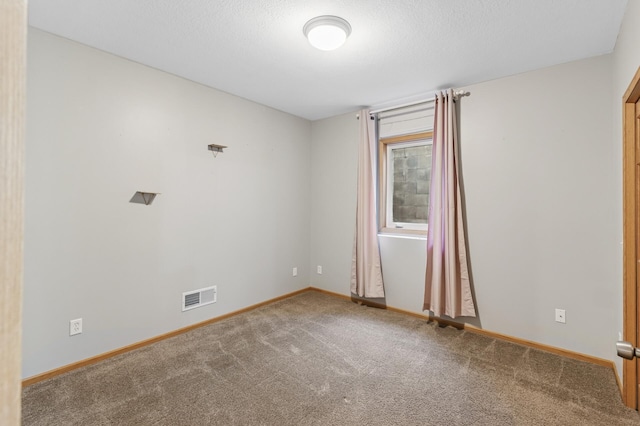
{"points": [[447, 286], [366, 272]]}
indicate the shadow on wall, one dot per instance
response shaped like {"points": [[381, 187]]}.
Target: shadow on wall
{"points": [[466, 320]]}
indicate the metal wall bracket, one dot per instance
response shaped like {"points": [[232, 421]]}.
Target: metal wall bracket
{"points": [[143, 197], [216, 149]]}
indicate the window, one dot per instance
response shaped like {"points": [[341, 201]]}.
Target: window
{"points": [[405, 175]]}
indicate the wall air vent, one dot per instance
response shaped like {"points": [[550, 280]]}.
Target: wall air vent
{"points": [[196, 298]]}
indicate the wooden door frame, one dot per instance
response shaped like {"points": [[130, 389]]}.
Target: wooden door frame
{"points": [[13, 42], [631, 292]]}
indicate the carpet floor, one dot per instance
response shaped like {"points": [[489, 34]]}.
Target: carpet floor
{"points": [[314, 359]]}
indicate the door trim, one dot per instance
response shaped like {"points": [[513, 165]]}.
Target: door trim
{"points": [[13, 42], [630, 270]]}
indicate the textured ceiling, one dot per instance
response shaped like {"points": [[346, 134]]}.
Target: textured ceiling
{"points": [[398, 49]]}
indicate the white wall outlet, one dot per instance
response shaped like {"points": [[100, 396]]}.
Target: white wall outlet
{"points": [[295, 272], [319, 269], [75, 327], [561, 316], [620, 335]]}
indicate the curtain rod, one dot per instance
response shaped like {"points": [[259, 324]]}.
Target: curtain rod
{"points": [[456, 95]]}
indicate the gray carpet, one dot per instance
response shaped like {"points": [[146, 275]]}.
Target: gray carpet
{"points": [[318, 360]]}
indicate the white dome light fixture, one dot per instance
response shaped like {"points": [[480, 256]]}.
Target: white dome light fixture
{"points": [[327, 32]]}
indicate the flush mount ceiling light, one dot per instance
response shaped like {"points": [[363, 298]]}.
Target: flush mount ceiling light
{"points": [[327, 32]]}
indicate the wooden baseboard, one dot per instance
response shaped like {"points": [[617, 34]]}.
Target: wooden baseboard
{"points": [[541, 346], [427, 317], [95, 359], [354, 298], [468, 327], [329, 293], [615, 373]]}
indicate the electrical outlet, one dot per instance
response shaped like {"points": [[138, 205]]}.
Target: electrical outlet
{"points": [[75, 327], [319, 269], [561, 316], [295, 272]]}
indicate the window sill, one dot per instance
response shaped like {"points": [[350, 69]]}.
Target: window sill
{"points": [[405, 236], [403, 231]]}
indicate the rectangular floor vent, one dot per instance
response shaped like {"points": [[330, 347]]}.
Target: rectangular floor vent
{"points": [[196, 298]]}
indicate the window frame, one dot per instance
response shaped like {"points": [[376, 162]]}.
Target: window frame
{"points": [[384, 144]]}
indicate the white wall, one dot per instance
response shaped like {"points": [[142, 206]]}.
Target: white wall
{"points": [[541, 205], [100, 128], [334, 153], [626, 60]]}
